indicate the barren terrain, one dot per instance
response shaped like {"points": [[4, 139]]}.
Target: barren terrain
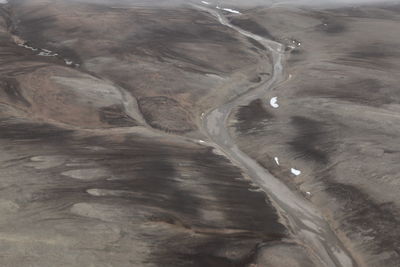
{"points": [[170, 133], [337, 120]]}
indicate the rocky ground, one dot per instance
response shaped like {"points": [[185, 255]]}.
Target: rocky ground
{"points": [[93, 171], [335, 119], [103, 161]]}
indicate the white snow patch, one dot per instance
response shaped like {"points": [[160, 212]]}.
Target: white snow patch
{"points": [[28, 47], [216, 151], [295, 171], [68, 62], [276, 160], [274, 102], [205, 2], [94, 192], [47, 53], [255, 190], [231, 10]]}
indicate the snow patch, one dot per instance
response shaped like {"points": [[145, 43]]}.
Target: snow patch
{"points": [[68, 62], [274, 102], [28, 47], [231, 10], [255, 190], [276, 161], [295, 171], [218, 152], [205, 2], [47, 53]]}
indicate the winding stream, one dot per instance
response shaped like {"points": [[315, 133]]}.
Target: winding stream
{"points": [[305, 222]]}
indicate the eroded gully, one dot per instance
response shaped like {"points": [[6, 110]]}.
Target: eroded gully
{"points": [[304, 221]]}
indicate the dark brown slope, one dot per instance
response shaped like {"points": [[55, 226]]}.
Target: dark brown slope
{"points": [[180, 55], [124, 200], [85, 183]]}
